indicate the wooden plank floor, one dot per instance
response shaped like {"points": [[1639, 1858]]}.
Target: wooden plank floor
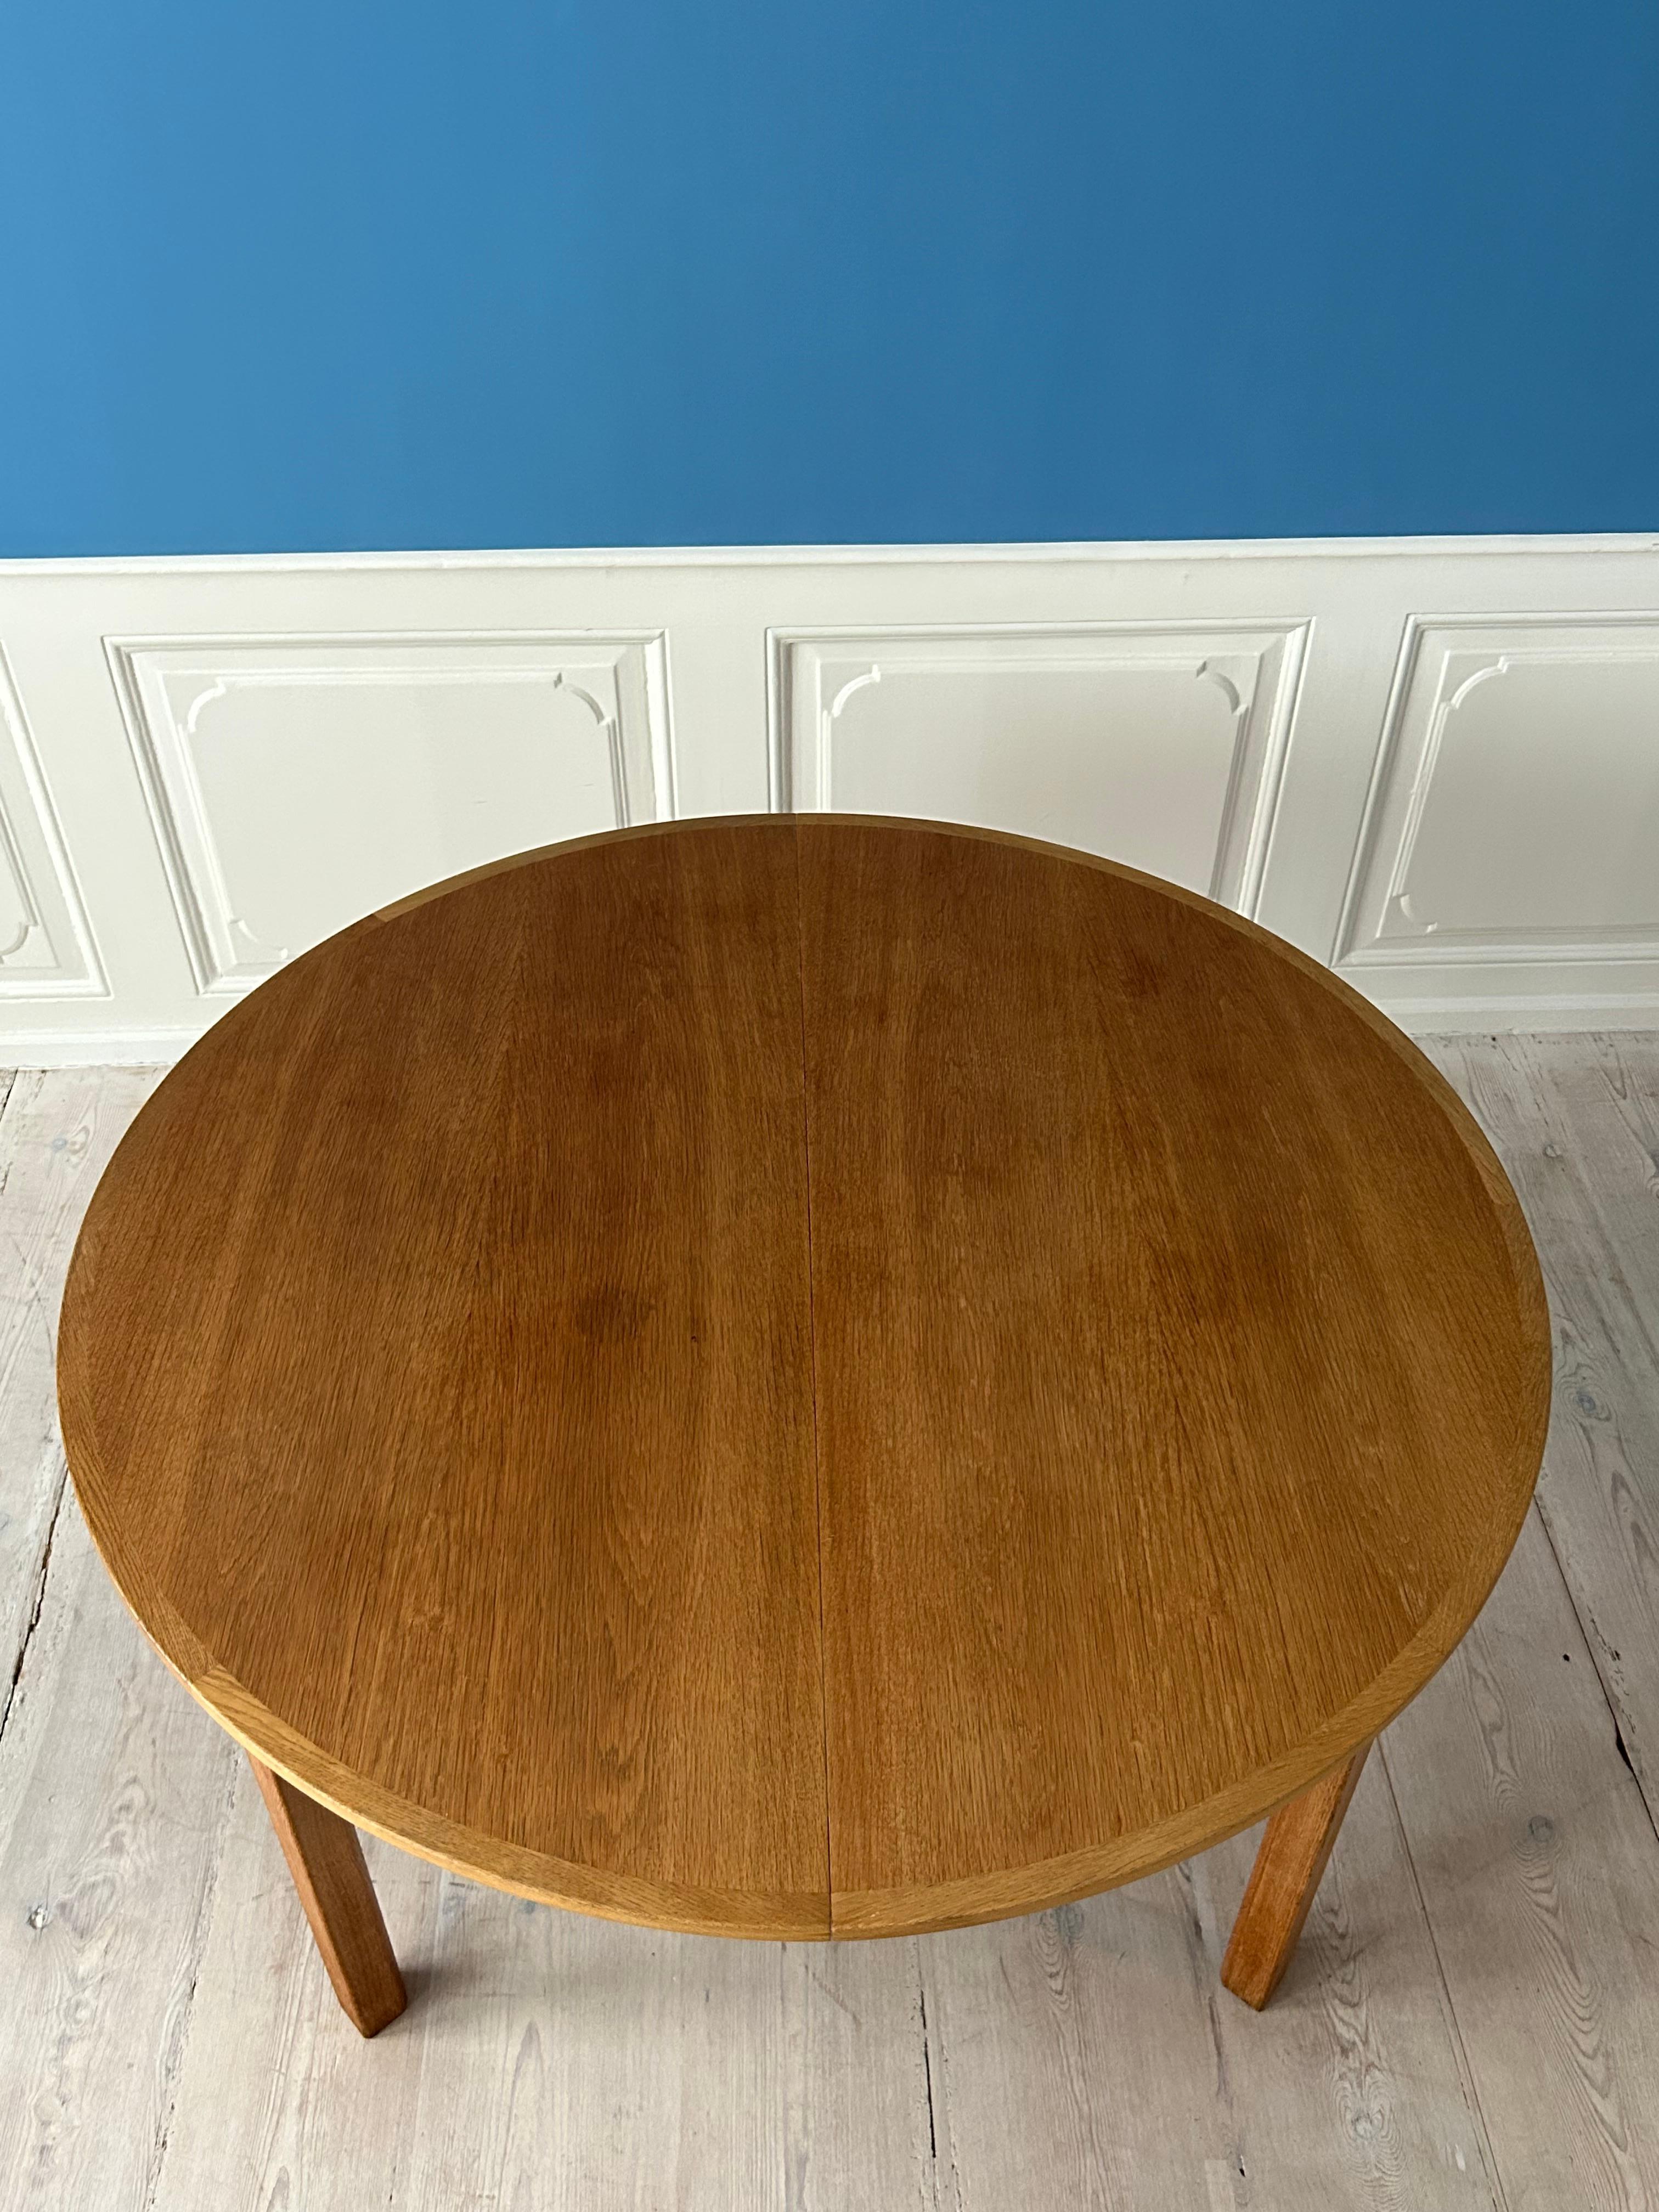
{"points": [[1472, 2018]]}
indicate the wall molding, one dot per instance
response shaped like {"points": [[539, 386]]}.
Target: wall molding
{"points": [[1476, 651], [1015, 551], [1256, 667], [87, 1046], [51, 914], [166, 685], [209, 762]]}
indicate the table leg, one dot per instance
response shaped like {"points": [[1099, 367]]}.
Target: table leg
{"points": [[327, 1861], [1293, 1857]]}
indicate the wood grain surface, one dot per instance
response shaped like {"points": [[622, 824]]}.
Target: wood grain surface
{"points": [[436, 1377], [469, 1402], [1280, 1894], [327, 1862], [1182, 1370]]}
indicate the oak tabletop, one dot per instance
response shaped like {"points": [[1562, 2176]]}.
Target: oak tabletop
{"points": [[804, 1375]]}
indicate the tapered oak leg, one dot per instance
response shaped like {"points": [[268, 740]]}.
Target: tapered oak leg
{"points": [[1282, 1883], [327, 1861]]}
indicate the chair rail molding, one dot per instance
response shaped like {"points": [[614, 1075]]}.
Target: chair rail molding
{"points": [[1432, 762]]}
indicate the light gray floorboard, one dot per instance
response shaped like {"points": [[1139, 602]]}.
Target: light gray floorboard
{"points": [[1568, 1117], [280, 2102], [114, 1791], [773, 2074], [546, 2060], [1099, 2040], [1540, 1872], [1468, 2022], [57, 1132]]}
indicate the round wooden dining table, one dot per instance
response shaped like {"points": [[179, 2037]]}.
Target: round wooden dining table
{"points": [[803, 1377]]}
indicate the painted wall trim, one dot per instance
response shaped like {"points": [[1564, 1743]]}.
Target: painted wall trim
{"points": [[1431, 763], [1084, 551]]}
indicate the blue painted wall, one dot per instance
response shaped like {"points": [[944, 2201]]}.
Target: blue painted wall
{"points": [[343, 273]]}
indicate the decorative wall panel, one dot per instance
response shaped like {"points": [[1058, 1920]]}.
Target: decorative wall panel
{"points": [[1433, 763], [1514, 812], [297, 783], [47, 947], [1160, 746]]}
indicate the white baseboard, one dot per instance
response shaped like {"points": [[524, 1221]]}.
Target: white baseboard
{"points": [[1451, 1017], [1426, 761], [95, 1048], [70, 1049], [1421, 1017]]}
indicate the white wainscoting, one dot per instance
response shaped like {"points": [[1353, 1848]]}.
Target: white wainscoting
{"points": [[1515, 816], [295, 783], [1434, 763], [46, 950], [1161, 744]]}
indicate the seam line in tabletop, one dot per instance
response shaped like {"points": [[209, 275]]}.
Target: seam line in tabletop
{"points": [[812, 1354]]}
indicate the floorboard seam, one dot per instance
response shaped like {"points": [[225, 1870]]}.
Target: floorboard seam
{"points": [[1534, 1080], [8, 1085], [179, 2038], [938, 2195], [1596, 1643], [37, 1599], [1464, 2072], [927, 2077], [1543, 1113]]}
